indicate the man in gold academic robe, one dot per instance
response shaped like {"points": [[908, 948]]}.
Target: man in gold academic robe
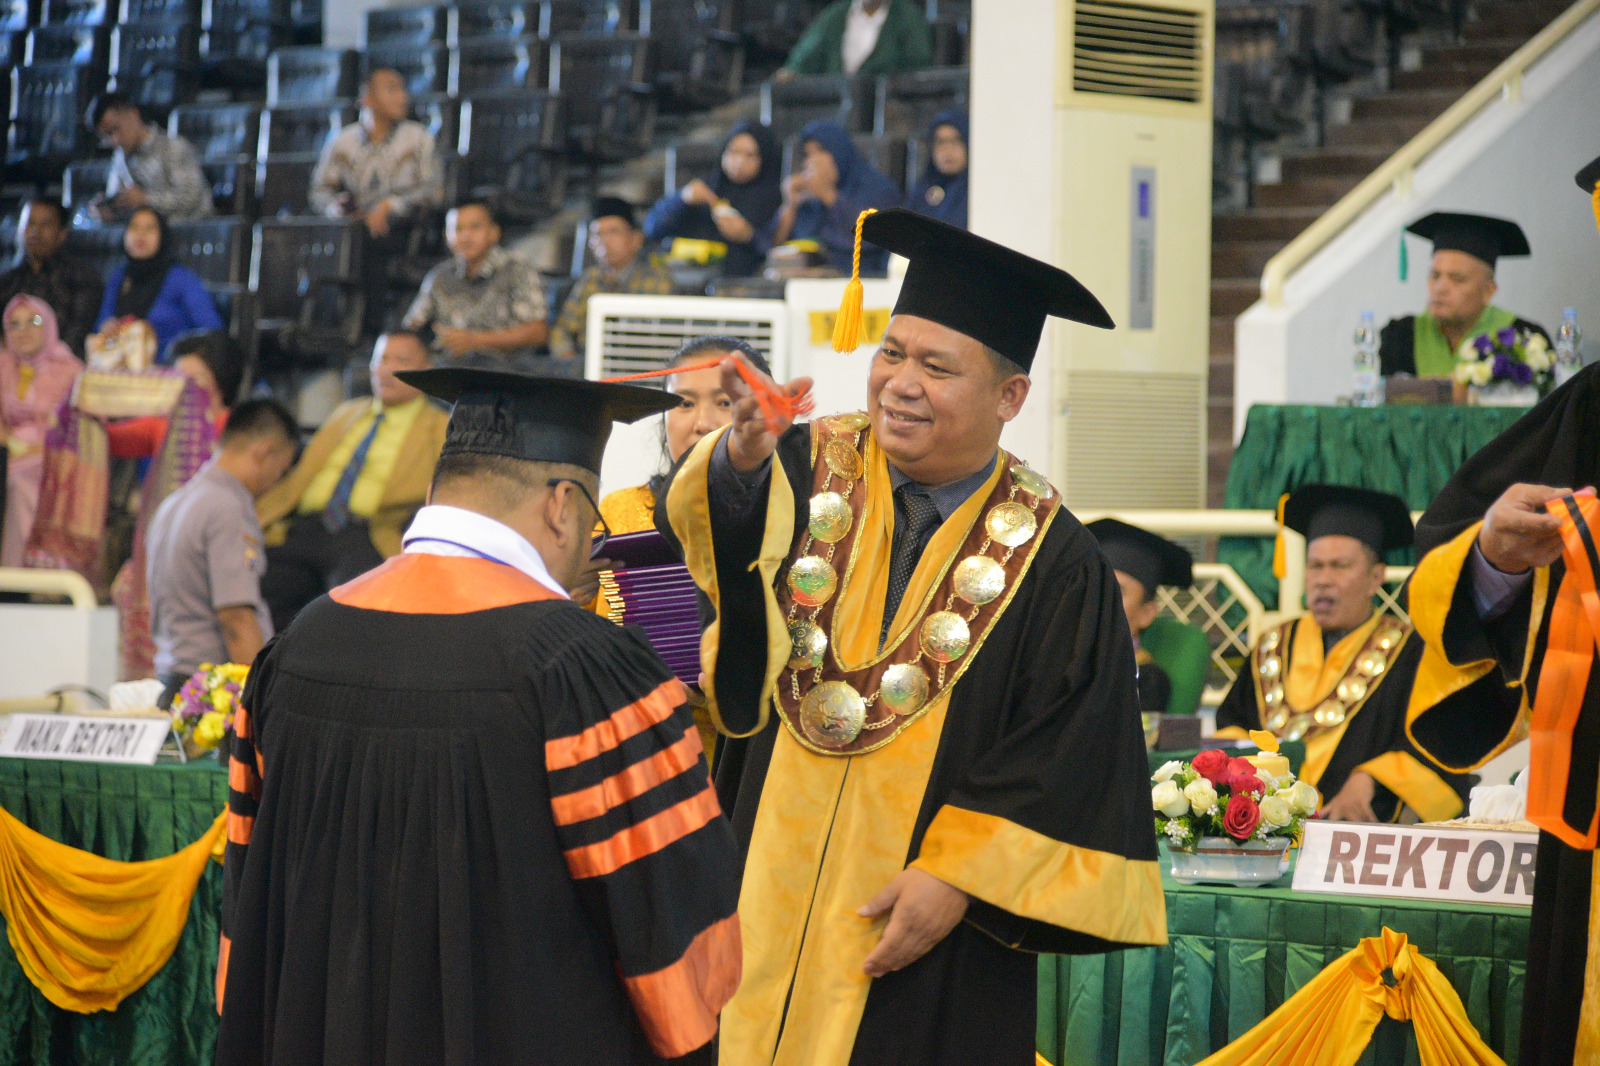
{"points": [[932, 757], [1338, 678]]}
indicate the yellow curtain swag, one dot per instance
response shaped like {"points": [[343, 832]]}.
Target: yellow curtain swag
{"points": [[90, 931], [1331, 1019]]}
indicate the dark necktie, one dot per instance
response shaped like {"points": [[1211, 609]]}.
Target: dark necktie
{"points": [[336, 515], [916, 518]]}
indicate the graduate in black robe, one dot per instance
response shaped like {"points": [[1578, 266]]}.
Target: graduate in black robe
{"points": [[1020, 788], [1488, 633], [1340, 677], [470, 822], [1144, 561]]}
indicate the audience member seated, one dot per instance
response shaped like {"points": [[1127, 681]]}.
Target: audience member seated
{"points": [[343, 507], [207, 357], [205, 554], [821, 203], [46, 270], [36, 375], [1460, 285], [621, 265], [730, 209], [148, 168], [483, 300], [863, 37], [152, 286], [942, 191], [1144, 562]]}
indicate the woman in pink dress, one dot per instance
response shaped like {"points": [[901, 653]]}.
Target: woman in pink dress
{"points": [[37, 372]]}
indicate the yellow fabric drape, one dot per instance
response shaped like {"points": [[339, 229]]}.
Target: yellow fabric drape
{"points": [[90, 931], [1331, 1019]]}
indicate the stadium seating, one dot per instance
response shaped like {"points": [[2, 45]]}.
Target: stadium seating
{"points": [[83, 180], [610, 109], [283, 184], [509, 148], [906, 103], [688, 160], [47, 112], [696, 58], [156, 63], [496, 64], [218, 131], [301, 129], [787, 106], [311, 75], [425, 68]]}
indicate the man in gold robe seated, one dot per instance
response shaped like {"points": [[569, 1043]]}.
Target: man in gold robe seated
{"points": [[1339, 677]]}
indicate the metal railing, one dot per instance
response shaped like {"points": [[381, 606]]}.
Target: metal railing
{"points": [[1395, 173], [67, 584]]}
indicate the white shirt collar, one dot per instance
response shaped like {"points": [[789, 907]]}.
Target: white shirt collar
{"points": [[442, 530], [861, 32]]}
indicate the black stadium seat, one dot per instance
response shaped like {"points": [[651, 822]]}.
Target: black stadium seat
{"points": [[442, 115], [88, 47], [157, 63], [77, 13], [160, 11], [283, 185], [610, 108], [13, 47], [689, 160], [412, 27], [695, 56], [99, 245], [479, 21], [302, 129], [908, 102], [510, 150], [491, 64], [218, 249], [311, 75], [17, 15], [237, 36], [47, 110], [305, 277], [83, 180], [425, 68], [218, 131], [786, 106], [233, 183]]}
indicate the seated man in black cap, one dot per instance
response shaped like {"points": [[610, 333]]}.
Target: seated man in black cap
{"points": [[927, 685], [1143, 561], [468, 818], [1460, 285], [1339, 677], [621, 265]]}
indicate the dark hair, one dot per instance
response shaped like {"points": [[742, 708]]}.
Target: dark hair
{"points": [[507, 481], [258, 418], [482, 204], [422, 335], [375, 71], [720, 343], [1004, 366], [57, 206], [216, 350], [113, 101]]}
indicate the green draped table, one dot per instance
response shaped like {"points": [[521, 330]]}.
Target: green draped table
{"points": [[1409, 450], [126, 813], [1234, 955]]}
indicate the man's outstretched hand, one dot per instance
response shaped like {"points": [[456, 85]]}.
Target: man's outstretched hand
{"points": [[751, 441], [1518, 533]]}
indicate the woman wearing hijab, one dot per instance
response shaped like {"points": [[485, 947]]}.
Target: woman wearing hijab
{"points": [[733, 206], [942, 191], [152, 285], [36, 376], [820, 203]]}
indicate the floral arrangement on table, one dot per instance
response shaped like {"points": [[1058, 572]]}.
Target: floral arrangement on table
{"points": [[1218, 795], [202, 711], [1509, 356]]}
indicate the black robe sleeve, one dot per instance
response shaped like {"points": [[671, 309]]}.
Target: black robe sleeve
{"points": [[1397, 344], [1238, 707], [244, 794], [1155, 689]]}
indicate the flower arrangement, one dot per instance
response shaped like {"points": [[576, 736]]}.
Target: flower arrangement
{"points": [[1510, 355], [202, 712], [1221, 796]]}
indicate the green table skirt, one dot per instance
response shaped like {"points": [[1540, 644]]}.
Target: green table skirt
{"points": [[1408, 450], [126, 813], [1233, 957]]}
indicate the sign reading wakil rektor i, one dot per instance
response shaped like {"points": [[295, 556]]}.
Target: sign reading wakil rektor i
{"points": [[1417, 862], [82, 738]]}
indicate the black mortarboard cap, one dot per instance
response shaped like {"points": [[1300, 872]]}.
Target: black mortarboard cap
{"points": [[1480, 236], [1589, 176], [608, 206], [1380, 521], [528, 416], [1144, 556], [979, 288]]}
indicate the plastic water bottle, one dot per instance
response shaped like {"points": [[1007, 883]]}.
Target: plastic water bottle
{"points": [[1368, 386], [1569, 360]]}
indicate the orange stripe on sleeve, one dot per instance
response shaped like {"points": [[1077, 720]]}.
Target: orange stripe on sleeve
{"points": [[632, 720], [645, 838], [223, 949], [636, 780], [240, 828], [242, 777], [678, 1005], [241, 723]]}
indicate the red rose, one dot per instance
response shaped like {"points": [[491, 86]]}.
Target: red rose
{"points": [[1242, 783], [1238, 766], [1241, 818], [1213, 766]]}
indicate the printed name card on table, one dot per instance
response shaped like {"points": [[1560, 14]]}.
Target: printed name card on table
{"points": [[1417, 862], [83, 738]]}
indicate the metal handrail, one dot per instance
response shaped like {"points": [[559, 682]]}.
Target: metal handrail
{"points": [[1395, 172], [65, 583]]}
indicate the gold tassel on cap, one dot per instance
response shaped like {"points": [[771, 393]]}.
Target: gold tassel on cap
{"points": [[847, 326], [1280, 561], [1594, 199]]}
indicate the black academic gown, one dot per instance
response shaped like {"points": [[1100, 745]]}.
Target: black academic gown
{"points": [[482, 832], [1041, 733], [1397, 343], [1155, 687], [1377, 729], [1554, 444]]}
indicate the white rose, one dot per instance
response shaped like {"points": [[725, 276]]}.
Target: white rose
{"points": [[1463, 373], [1468, 352], [1202, 796], [1268, 780], [1538, 361], [1166, 798], [1275, 812], [1536, 343], [1303, 798], [1168, 769], [1482, 373]]}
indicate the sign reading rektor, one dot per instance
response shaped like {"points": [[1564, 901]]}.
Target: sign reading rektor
{"points": [[84, 739], [1417, 862]]}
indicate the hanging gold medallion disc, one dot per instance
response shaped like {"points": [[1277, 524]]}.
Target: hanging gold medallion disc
{"points": [[1329, 713], [1388, 639], [1011, 524], [855, 421], [1032, 482], [1273, 696], [832, 713], [904, 688], [1269, 643], [979, 579], [1372, 663], [1351, 689], [843, 460], [1269, 668], [812, 581], [945, 637], [1298, 726], [1278, 719], [807, 644], [830, 517]]}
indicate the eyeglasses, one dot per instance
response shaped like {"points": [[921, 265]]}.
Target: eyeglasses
{"points": [[605, 530], [20, 323]]}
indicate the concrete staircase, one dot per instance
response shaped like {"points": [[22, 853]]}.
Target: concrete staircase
{"points": [[1315, 179]]}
